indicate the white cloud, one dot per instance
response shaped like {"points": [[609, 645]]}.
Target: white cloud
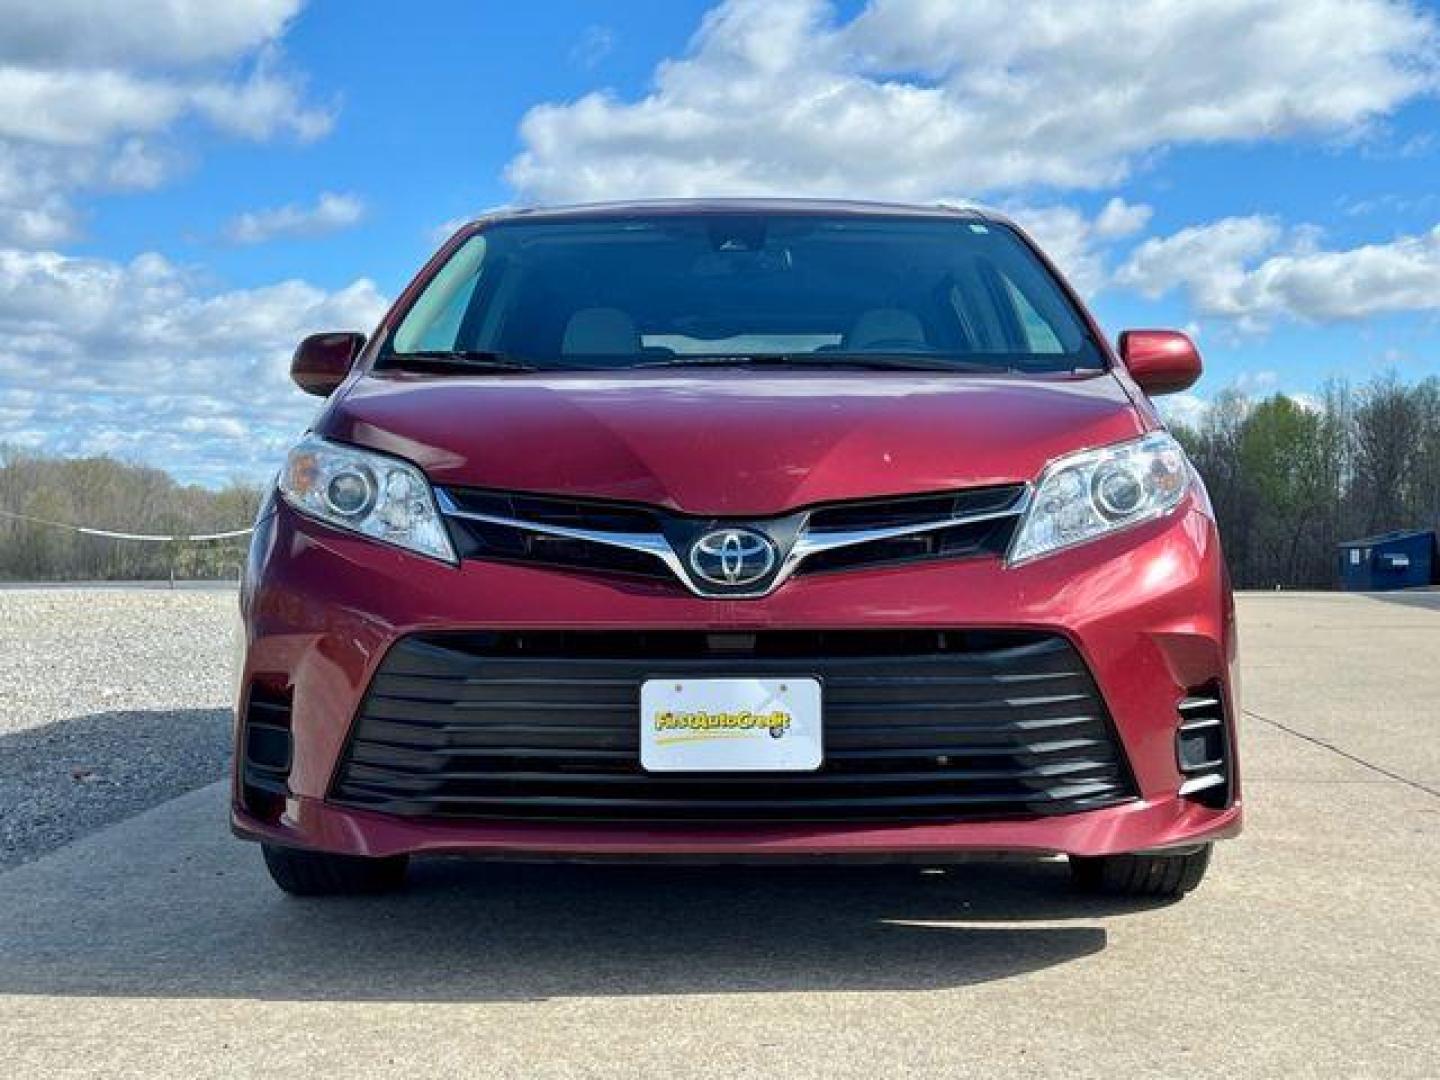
{"points": [[136, 359], [225, 427], [33, 179], [447, 228], [266, 104], [37, 181], [1208, 260], [1184, 410], [1252, 383], [135, 165], [1402, 275], [1078, 244], [596, 43], [1119, 219], [1252, 270], [330, 213], [1389, 203], [917, 99], [90, 92], [81, 108], [138, 31], [50, 220]]}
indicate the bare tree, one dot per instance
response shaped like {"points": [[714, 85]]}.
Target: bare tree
{"points": [[108, 494], [1387, 430], [1290, 481]]}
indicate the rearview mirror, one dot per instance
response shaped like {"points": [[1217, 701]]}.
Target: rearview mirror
{"points": [[322, 361], [1161, 361]]}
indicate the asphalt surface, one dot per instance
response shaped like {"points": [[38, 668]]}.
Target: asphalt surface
{"points": [[156, 947]]}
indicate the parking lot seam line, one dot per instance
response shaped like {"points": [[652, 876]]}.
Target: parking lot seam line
{"points": [[1416, 784]]}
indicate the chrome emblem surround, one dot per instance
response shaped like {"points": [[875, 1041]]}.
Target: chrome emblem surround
{"points": [[733, 557]]}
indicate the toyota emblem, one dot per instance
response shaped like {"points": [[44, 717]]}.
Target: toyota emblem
{"points": [[732, 557]]}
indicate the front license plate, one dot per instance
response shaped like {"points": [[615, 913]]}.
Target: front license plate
{"points": [[730, 725]]}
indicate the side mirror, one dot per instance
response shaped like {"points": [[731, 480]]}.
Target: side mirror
{"points": [[1161, 361], [322, 361]]}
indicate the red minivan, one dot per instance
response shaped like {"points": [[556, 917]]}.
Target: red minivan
{"points": [[721, 530]]}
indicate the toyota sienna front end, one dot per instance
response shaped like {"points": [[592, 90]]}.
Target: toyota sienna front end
{"points": [[737, 529]]}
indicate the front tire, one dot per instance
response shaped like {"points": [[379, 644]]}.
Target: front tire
{"points": [[318, 873], [1159, 875]]}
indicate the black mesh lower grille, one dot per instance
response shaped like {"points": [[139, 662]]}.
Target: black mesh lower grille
{"points": [[919, 725]]}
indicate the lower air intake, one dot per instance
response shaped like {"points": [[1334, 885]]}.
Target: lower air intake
{"points": [[1202, 749], [265, 750], [919, 725]]}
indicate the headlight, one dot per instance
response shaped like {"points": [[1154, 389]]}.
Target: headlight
{"points": [[1096, 492], [367, 493]]}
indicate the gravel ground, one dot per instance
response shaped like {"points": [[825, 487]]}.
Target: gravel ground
{"points": [[110, 701]]}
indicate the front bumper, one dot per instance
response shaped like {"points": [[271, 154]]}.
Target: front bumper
{"points": [[1148, 610]]}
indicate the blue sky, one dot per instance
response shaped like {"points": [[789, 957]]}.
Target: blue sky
{"points": [[185, 189]]}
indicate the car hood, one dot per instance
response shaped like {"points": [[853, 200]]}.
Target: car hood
{"points": [[730, 442]]}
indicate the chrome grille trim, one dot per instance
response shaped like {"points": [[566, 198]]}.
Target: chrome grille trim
{"points": [[1201, 783], [806, 543]]}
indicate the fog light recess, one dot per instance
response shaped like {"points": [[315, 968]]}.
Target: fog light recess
{"points": [[1202, 750], [265, 751]]}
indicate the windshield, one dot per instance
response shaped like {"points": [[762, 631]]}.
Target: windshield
{"points": [[747, 287]]}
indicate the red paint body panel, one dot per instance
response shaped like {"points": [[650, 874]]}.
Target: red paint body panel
{"points": [[1161, 361], [731, 442], [1148, 608], [1133, 827]]}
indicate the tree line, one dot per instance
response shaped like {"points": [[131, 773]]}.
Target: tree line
{"points": [[1293, 478], [103, 493], [1290, 479]]}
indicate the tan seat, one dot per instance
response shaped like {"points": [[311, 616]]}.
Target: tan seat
{"points": [[600, 331], [887, 327]]}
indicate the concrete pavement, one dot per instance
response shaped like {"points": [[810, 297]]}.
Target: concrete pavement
{"points": [[156, 947]]}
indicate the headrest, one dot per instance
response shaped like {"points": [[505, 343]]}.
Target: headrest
{"points": [[601, 331], [886, 326]]}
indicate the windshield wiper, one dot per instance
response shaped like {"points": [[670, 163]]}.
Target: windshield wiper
{"points": [[866, 361], [459, 360]]}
